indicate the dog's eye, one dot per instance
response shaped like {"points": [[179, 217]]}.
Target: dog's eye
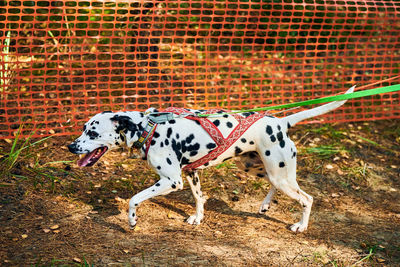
{"points": [[92, 134]]}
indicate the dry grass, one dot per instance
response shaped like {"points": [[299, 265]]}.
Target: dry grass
{"points": [[57, 214]]}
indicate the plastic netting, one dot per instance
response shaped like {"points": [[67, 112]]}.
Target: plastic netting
{"points": [[63, 61]]}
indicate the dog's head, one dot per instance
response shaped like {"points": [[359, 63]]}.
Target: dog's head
{"points": [[106, 131]]}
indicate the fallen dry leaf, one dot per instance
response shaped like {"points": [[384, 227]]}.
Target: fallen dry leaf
{"points": [[54, 227], [329, 167]]}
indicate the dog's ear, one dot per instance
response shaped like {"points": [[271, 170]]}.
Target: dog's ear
{"points": [[126, 128], [124, 123]]}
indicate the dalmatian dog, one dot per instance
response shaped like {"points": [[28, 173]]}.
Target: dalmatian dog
{"points": [[265, 150]]}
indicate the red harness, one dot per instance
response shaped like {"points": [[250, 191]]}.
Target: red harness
{"points": [[222, 143]]}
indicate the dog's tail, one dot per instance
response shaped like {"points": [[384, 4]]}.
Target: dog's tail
{"points": [[306, 114]]}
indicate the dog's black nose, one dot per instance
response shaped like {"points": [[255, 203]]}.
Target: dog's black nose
{"points": [[72, 148]]}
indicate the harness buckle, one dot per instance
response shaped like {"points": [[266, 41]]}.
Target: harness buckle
{"points": [[147, 132], [160, 117]]}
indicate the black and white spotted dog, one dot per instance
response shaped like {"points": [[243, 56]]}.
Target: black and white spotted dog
{"points": [[265, 147]]}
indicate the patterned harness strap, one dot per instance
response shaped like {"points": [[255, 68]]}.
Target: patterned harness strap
{"points": [[222, 143]]}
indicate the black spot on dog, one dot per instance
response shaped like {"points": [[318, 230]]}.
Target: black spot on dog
{"points": [[185, 161], [194, 147], [247, 114], [92, 134], [169, 132], [282, 143], [189, 139], [177, 147], [251, 143], [279, 127], [206, 164], [157, 184], [156, 135], [177, 136], [281, 164], [153, 142], [211, 145], [280, 136], [183, 145], [158, 167], [269, 130], [294, 155], [162, 144], [216, 122], [226, 116], [229, 124], [172, 121], [107, 111], [243, 140], [238, 150], [273, 138], [267, 153], [193, 153], [166, 142], [173, 186], [288, 125], [169, 161]]}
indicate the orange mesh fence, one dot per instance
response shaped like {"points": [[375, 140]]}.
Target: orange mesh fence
{"points": [[63, 61]]}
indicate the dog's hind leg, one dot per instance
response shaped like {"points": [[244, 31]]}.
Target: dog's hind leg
{"points": [[194, 182], [291, 189], [267, 201], [164, 186], [280, 165]]}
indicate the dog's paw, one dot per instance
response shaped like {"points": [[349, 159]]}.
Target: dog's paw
{"points": [[132, 222], [194, 220], [298, 227], [263, 209]]}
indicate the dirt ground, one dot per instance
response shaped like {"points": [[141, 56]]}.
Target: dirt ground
{"points": [[55, 214]]}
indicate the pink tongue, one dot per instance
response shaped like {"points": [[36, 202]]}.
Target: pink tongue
{"points": [[86, 159]]}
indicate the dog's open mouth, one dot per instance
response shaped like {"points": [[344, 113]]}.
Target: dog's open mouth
{"points": [[91, 158]]}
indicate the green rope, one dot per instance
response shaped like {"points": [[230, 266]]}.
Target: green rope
{"points": [[364, 93]]}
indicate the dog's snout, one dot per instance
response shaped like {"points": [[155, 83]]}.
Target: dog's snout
{"points": [[72, 147]]}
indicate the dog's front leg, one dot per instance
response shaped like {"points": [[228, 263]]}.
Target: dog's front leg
{"points": [[194, 182], [164, 186], [267, 201]]}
